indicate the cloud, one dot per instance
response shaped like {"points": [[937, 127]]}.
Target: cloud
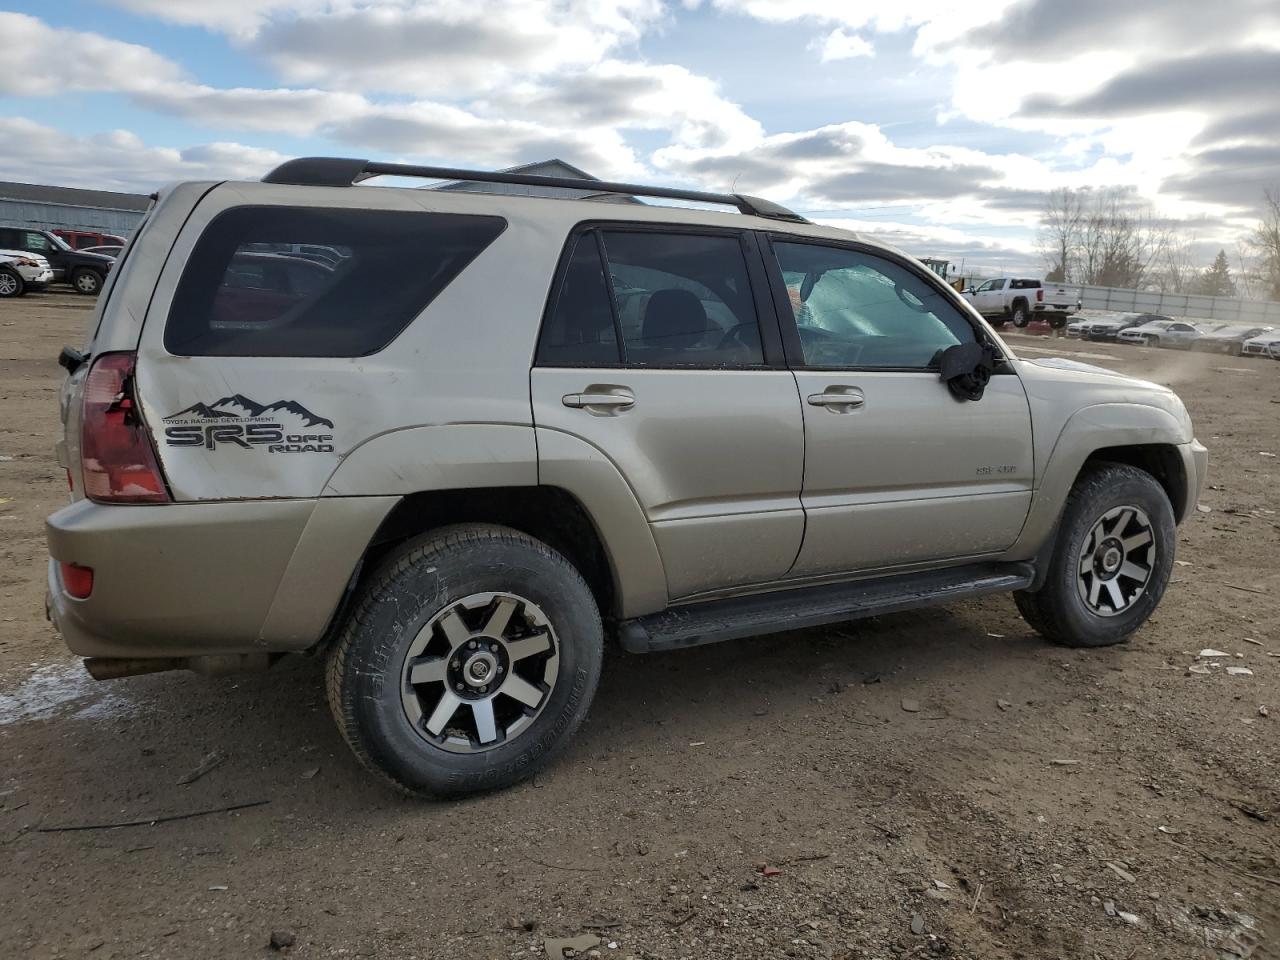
{"points": [[1059, 29], [40, 60], [634, 96], [281, 110], [885, 16], [436, 131], [1217, 80], [978, 252], [838, 45], [119, 160], [872, 182], [451, 48], [1229, 176]]}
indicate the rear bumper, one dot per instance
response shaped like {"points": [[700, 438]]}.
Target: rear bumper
{"points": [[192, 579]]}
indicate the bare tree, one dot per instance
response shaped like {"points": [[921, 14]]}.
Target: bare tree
{"points": [[1265, 244], [1060, 228], [1119, 240], [1175, 270]]}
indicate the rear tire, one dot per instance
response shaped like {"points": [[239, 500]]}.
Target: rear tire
{"points": [[11, 284], [1019, 315], [470, 659], [1111, 562], [1057, 323]]}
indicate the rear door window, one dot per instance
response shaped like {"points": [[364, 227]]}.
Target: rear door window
{"points": [[683, 299], [316, 282]]}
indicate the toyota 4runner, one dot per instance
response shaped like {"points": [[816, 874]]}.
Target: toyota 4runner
{"points": [[550, 422]]}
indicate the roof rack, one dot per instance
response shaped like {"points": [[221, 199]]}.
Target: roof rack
{"points": [[345, 172]]}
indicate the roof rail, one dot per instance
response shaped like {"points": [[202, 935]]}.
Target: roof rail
{"points": [[344, 172]]}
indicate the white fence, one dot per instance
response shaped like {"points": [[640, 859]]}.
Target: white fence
{"points": [[1180, 305]]}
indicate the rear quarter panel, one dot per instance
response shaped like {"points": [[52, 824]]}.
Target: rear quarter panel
{"points": [[464, 360]]}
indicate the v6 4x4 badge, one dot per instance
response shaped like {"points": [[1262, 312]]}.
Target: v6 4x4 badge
{"points": [[280, 427]]}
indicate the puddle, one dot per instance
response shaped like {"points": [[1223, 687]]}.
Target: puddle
{"points": [[58, 689]]}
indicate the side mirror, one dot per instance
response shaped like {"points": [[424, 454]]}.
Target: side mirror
{"points": [[966, 369], [967, 290]]}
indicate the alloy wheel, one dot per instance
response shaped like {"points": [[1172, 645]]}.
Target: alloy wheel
{"points": [[8, 285], [1116, 561], [479, 672]]}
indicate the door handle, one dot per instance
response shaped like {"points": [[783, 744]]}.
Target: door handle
{"points": [[835, 397], [607, 401]]}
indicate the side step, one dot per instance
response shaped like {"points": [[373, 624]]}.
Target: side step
{"points": [[715, 620]]}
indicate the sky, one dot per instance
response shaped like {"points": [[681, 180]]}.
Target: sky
{"points": [[934, 125]]}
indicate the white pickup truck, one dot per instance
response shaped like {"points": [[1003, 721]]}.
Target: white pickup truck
{"points": [[1021, 299]]}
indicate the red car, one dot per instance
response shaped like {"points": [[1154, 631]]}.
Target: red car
{"points": [[79, 239]]}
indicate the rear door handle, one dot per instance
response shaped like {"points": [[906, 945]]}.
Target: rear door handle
{"points": [[605, 401], [835, 397]]}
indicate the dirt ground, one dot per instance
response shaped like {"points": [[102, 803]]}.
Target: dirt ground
{"points": [[1040, 802]]}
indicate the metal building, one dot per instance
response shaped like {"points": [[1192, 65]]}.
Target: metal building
{"points": [[56, 208]]}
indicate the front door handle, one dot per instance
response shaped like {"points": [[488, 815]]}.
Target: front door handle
{"points": [[838, 399], [599, 401]]}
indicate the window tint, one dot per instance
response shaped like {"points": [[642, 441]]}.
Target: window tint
{"points": [[857, 310], [36, 243], [580, 329], [254, 285], [683, 300]]}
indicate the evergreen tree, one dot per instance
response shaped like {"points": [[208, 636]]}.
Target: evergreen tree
{"points": [[1216, 280]]}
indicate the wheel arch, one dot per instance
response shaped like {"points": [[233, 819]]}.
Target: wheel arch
{"points": [[1147, 437], [550, 514], [1161, 460]]}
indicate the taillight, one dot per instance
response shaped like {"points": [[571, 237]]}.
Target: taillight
{"points": [[1040, 295], [119, 462], [77, 580]]}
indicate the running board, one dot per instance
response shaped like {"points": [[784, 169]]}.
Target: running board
{"points": [[711, 621]]}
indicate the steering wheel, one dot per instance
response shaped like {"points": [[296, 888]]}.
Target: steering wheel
{"points": [[909, 298]]}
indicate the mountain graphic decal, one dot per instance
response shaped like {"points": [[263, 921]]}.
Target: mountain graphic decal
{"points": [[239, 407]]}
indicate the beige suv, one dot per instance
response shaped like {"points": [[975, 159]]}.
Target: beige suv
{"points": [[452, 441]]}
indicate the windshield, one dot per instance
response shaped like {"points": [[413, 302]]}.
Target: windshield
{"points": [[58, 241]]}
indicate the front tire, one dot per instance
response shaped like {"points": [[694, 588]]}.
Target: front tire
{"points": [[11, 284], [1153, 341], [1111, 562], [87, 282], [470, 659]]}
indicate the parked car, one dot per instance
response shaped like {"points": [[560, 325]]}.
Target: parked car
{"points": [[1020, 299], [1228, 339], [108, 251], [1263, 345], [1076, 327], [552, 422], [1108, 328], [22, 272], [86, 272], [83, 239], [1162, 332]]}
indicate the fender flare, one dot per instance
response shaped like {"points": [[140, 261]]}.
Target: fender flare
{"points": [[1085, 432]]}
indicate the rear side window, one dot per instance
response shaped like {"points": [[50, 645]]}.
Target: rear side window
{"points": [[580, 331], [316, 282]]}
